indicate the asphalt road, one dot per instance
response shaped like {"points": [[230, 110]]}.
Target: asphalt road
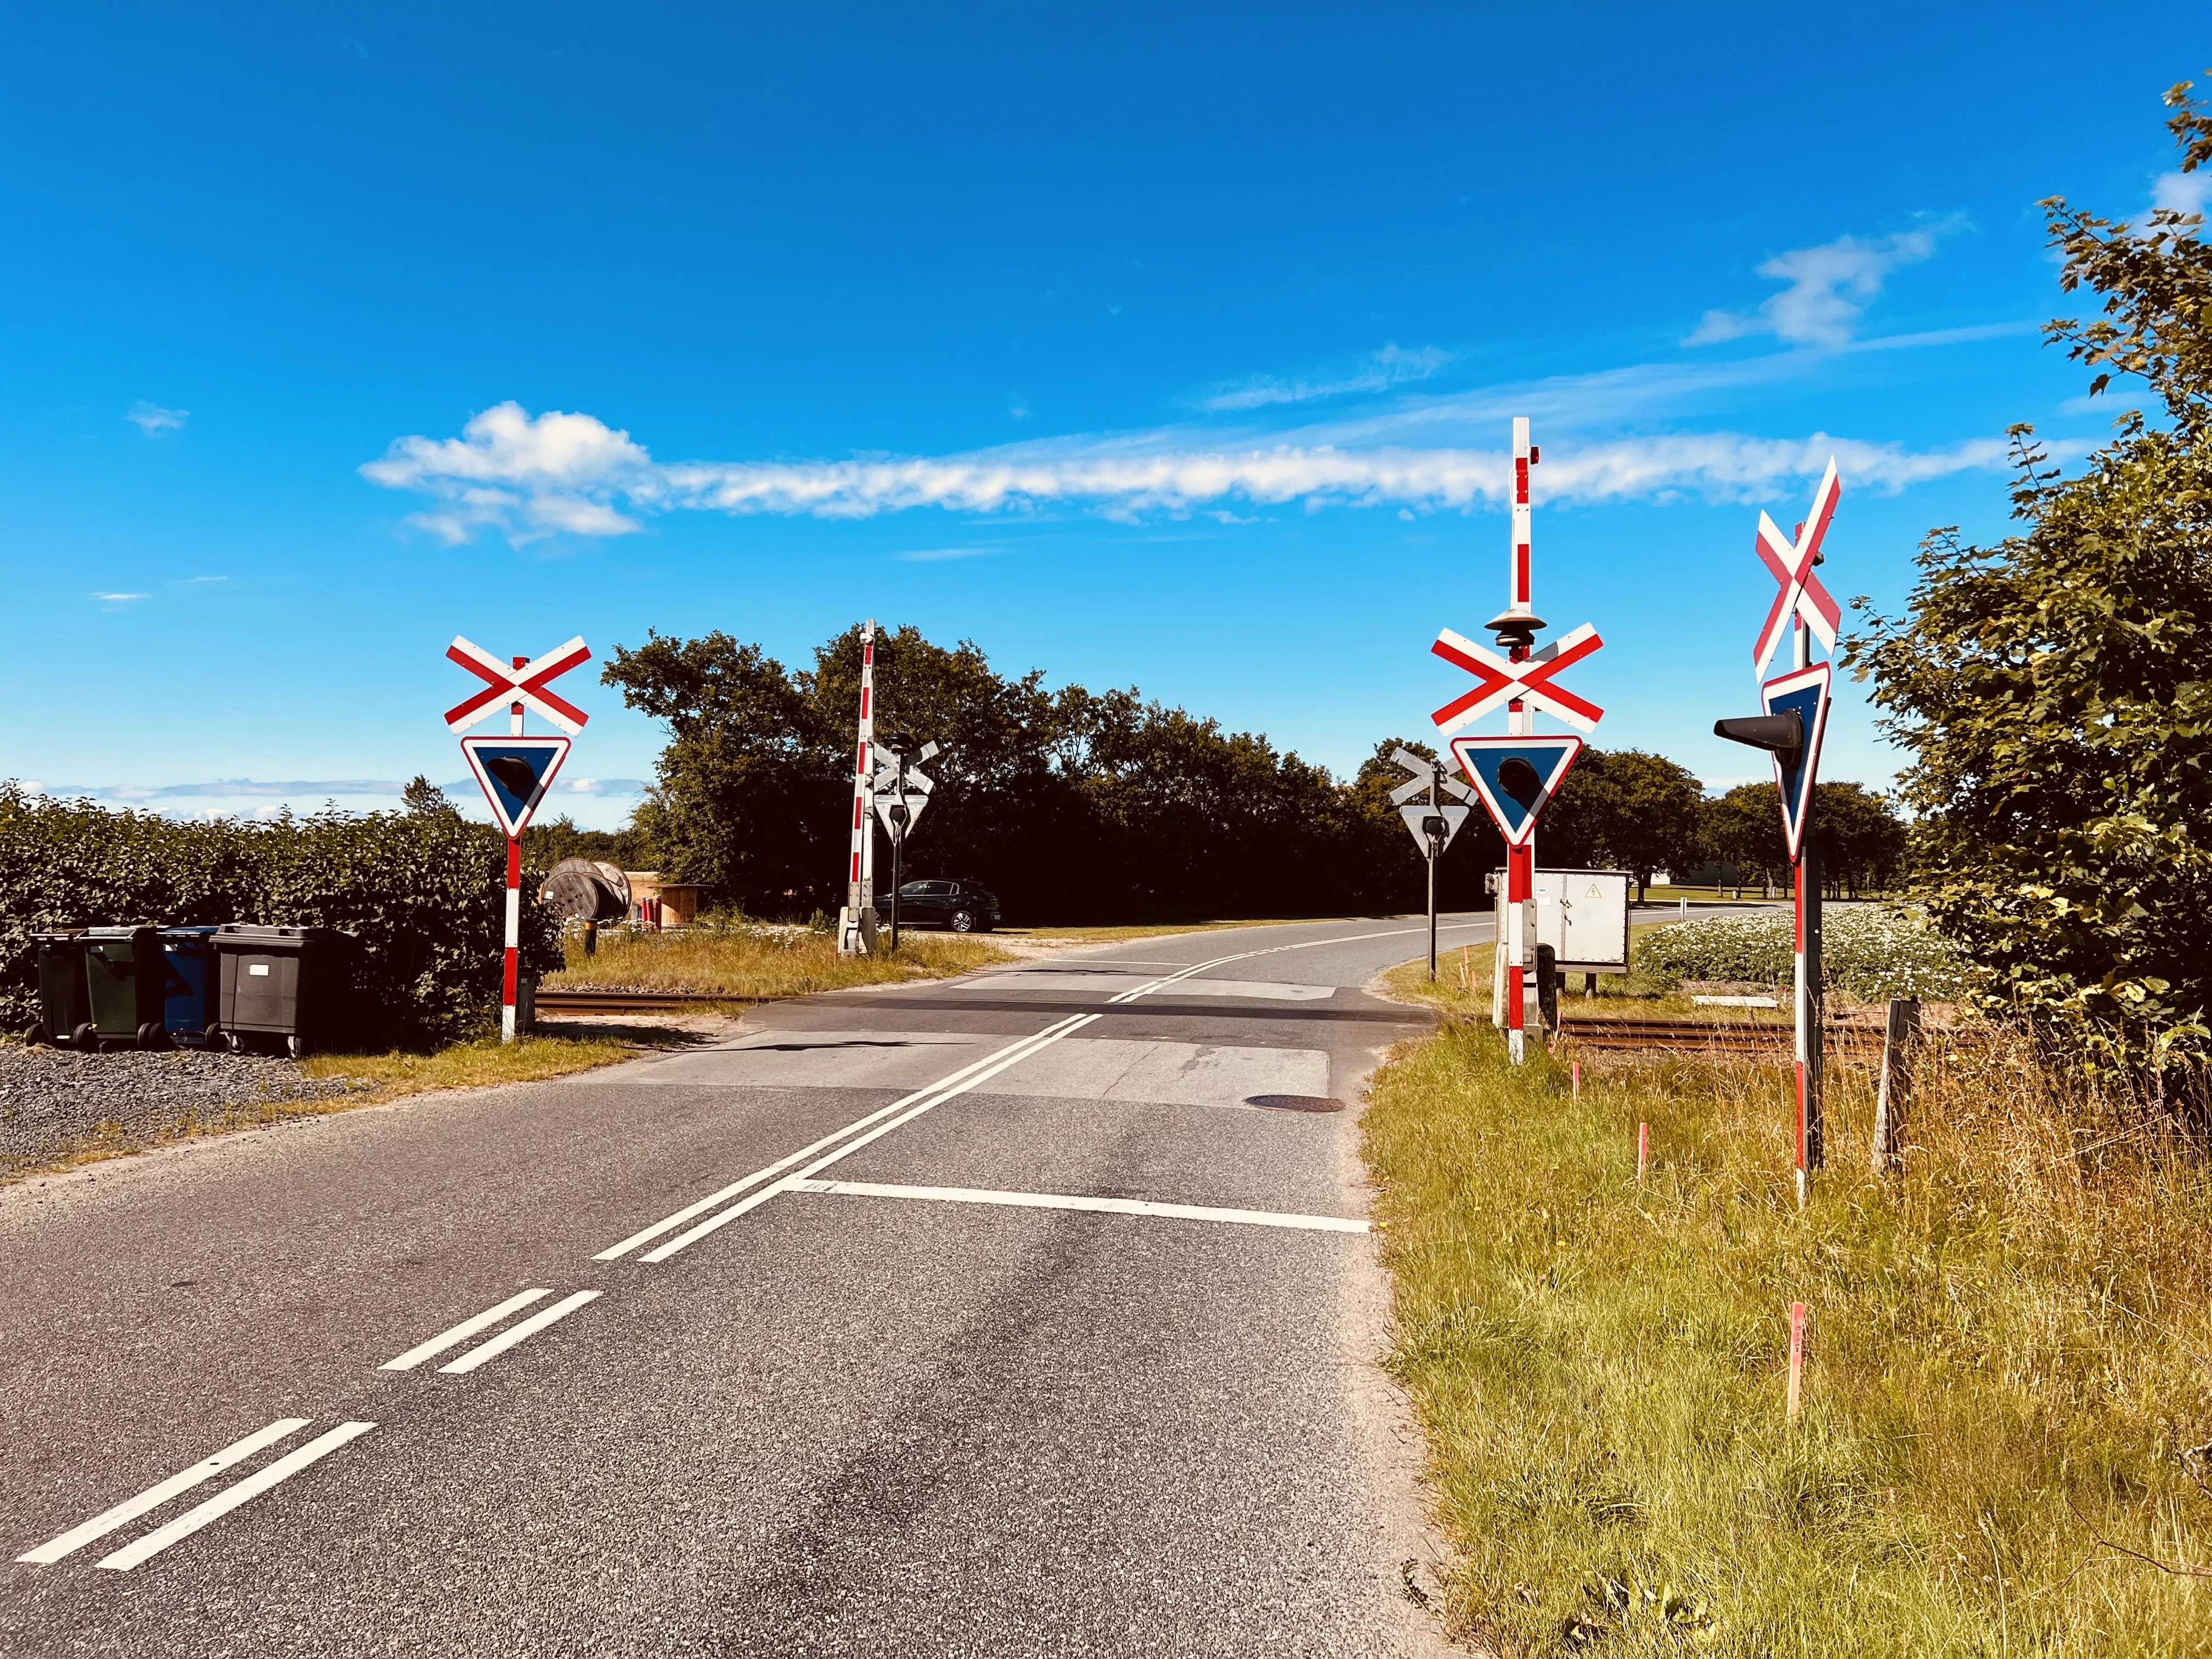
{"points": [[977, 1318]]}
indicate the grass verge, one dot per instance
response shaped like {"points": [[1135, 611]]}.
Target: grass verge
{"points": [[1462, 986], [754, 964], [477, 1063], [2009, 1359]]}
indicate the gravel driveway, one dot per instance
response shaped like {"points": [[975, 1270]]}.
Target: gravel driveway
{"points": [[54, 1102]]}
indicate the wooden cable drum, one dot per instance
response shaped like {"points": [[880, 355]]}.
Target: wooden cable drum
{"points": [[577, 890]]}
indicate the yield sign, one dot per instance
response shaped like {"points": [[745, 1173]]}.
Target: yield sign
{"points": [[1804, 693], [1505, 681], [527, 684], [1516, 777], [515, 773], [1791, 563], [1451, 816]]}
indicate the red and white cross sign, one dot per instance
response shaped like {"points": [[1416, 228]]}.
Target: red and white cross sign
{"points": [[526, 684], [1791, 563], [1505, 681]]}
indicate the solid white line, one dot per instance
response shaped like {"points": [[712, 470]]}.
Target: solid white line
{"points": [[231, 1496], [937, 1097], [799, 1157], [153, 1496], [1325, 1224], [460, 1332], [514, 1334]]}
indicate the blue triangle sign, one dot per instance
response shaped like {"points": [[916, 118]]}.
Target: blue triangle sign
{"points": [[1516, 777], [1803, 693], [515, 773]]}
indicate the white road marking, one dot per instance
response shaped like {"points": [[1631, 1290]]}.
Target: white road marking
{"points": [[514, 1334], [231, 1496], [996, 1064], [460, 1332], [670, 1223], [153, 1496], [1325, 1224]]}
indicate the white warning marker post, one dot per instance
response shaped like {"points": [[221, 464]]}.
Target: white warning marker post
{"points": [[1517, 775], [856, 925], [515, 771], [1791, 729]]}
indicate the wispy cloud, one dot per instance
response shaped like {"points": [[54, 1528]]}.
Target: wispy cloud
{"points": [[932, 554], [2183, 193], [525, 474], [115, 601], [1380, 371], [152, 419], [1828, 288]]}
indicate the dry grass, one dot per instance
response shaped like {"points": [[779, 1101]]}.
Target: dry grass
{"points": [[753, 964], [1147, 930], [477, 1063], [2011, 1354]]}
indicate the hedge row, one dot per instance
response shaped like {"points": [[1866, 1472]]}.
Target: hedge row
{"points": [[425, 891], [1870, 950]]}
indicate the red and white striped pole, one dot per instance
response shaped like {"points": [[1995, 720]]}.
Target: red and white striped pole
{"points": [[1521, 722], [854, 937], [511, 972]]}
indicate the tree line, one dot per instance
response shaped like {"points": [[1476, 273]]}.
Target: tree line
{"points": [[1076, 806]]}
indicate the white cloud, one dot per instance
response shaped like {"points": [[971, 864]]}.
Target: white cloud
{"points": [[120, 598], [930, 554], [1828, 287], [505, 471], [2184, 193], [150, 418], [1392, 366]]}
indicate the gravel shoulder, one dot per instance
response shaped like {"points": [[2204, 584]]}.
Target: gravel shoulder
{"points": [[57, 1104]]}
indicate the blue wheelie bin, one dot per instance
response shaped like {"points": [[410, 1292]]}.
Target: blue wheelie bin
{"points": [[192, 988]]}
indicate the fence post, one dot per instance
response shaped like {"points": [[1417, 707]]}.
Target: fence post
{"points": [[1894, 1103]]}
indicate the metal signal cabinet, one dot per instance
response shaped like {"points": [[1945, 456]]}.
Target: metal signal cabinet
{"points": [[1582, 915]]}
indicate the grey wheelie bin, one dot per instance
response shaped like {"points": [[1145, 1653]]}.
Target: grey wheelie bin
{"points": [[287, 988], [123, 982], [65, 1013], [192, 988]]}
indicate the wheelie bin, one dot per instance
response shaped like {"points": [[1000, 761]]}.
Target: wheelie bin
{"points": [[192, 988], [123, 982], [65, 1013], [288, 988]]}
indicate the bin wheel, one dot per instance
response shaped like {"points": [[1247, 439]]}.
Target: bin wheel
{"points": [[294, 1048], [234, 1042], [36, 1034], [153, 1035], [85, 1037], [214, 1038]]}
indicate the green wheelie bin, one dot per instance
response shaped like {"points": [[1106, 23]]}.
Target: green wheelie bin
{"points": [[65, 1015], [124, 982]]}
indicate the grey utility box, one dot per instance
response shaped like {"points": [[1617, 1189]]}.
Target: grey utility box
{"points": [[1582, 915]]}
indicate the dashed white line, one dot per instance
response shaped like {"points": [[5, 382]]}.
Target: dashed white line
{"points": [[153, 1496], [460, 1332], [231, 1496], [1324, 1224], [514, 1334]]}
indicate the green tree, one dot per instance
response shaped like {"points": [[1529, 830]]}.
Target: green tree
{"points": [[1626, 808], [2053, 690]]}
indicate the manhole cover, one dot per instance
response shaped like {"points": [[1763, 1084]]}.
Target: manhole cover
{"points": [[1296, 1103]]}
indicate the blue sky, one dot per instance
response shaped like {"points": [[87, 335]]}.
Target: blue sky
{"points": [[1171, 346]]}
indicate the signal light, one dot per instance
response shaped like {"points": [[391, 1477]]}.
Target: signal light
{"points": [[1779, 734]]}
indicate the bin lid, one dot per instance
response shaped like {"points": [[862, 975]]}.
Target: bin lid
{"points": [[120, 933], [199, 934], [258, 936]]}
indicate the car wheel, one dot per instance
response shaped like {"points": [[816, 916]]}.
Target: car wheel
{"points": [[963, 922]]}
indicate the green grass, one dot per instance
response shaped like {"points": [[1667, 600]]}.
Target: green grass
{"points": [[1463, 987], [755, 964], [2011, 1353]]}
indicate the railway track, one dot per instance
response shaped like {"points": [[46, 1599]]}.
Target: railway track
{"points": [[1699, 1037], [629, 1002]]}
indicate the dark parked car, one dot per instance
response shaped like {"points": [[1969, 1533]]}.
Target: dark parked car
{"points": [[965, 907]]}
